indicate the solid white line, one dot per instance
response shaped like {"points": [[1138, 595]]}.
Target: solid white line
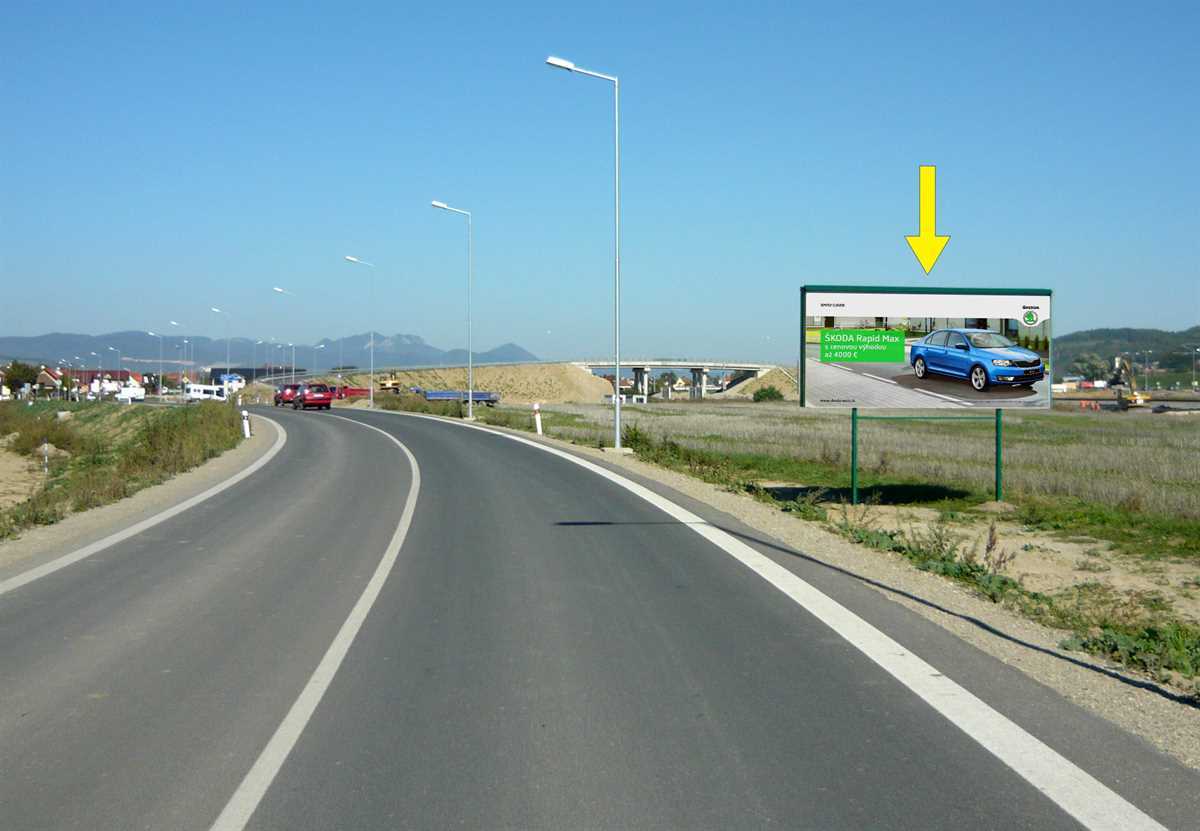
{"points": [[65, 560], [1081, 795], [877, 378], [249, 794], [957, 401]]}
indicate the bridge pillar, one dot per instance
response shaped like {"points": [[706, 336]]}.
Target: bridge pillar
{"points": [[641, 380], [699, 381]]}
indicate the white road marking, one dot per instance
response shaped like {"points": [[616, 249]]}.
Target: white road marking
{"points": [[1092, 803], [26, 577], [957, 401], [249, 794], [877, 378]]}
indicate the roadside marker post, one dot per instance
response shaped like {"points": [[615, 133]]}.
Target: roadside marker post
{"points": [[246, 423], [537, 417], [855, 418]]}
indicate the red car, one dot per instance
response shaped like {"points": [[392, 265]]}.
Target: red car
{"points": [[317, 396], [284, 394]]}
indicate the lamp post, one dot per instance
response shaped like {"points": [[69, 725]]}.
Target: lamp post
{"points": [[470, 279], [370, 305], [293, 361], [160, 360], [562, 63], [226, 314], [118, 351], [314, 351], [254, 361]]}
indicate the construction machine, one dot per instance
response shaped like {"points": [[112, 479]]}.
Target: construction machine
{"points": [[1124, 385]]}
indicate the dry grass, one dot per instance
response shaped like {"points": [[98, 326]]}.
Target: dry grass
{"points": [[1141, 462]]}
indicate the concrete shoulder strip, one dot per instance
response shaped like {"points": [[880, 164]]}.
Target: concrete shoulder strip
{"points": [[1092, 803], [26, 577]]}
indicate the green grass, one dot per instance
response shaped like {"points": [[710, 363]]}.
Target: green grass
{"points": [[114, 451]]}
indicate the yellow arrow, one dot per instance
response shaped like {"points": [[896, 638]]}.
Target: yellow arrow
{"points": [[928, 246]]}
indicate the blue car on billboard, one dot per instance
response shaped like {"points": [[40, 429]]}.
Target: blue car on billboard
{"points": [[979, 356]]}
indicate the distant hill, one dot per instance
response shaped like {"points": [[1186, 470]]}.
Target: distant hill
{"points": [[140, 350], [1169, 350]]}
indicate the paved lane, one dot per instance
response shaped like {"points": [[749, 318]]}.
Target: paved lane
{"points": [[555, 653], [138, 686], [549, 651]]}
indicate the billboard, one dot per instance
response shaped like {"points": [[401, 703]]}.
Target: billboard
{"points": [[921, 348]]}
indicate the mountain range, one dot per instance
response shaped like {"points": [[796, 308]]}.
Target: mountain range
{"points": [[140, 351], [1168, 350]]}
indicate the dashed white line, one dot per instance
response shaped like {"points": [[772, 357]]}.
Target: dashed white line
{"points": [[956, 401], [877, 378]]}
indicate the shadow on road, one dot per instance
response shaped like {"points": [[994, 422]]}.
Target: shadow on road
{"points": [[1141, 684], [894, 494]]}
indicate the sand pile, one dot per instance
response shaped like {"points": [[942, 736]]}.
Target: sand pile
{"points": [[545, 383], [777, 378]]}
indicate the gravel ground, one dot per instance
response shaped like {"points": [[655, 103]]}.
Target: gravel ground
{"points": [[1159, 714]]}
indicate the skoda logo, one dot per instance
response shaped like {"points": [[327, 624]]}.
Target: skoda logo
{"points": [[1030, 318]]}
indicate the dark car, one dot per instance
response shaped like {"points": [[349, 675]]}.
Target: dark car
{"points": [[981, 357], [285, 393], [316, 396]]}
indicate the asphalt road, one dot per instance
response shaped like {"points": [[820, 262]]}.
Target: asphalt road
{"points": [[549, 651]]}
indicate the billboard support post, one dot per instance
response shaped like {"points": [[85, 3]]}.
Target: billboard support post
{"points": [[999, 455], [855, 418], [854, 455]]}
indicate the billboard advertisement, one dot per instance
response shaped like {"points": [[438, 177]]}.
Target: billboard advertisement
{"points": [[922, 348]]}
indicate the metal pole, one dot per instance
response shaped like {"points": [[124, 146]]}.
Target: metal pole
{"points": [[854, 455], [617, 263], [999, 455], [470, 352], [371, 335]]}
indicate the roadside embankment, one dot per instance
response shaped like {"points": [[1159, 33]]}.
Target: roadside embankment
{"points": [[86, 455]]}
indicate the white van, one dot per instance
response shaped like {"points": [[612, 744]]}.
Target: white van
{"points": [[204, 392], [131, 392]]}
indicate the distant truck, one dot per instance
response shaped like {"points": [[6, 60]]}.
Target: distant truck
{"points": [[491, 399]]}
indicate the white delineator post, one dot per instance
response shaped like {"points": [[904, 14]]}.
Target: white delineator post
{"points": [[245, 423], [537, 418]]}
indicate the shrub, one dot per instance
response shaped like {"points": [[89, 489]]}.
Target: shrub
{"points": [[768, 394]]}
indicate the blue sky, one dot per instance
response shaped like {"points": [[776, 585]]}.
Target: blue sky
{"points": [[158, 159]]}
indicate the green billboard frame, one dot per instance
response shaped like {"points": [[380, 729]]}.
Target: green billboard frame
{"points": [[855, 418]]}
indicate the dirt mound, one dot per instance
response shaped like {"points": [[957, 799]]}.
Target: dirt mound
{"points": [[777, 378], [545, 383]]}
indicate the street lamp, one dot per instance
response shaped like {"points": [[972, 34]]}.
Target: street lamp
{"points": [[254, 361], [226, 314], [160, 359], [293, 361], [118, 351], [371, 305], [562, 63], [470, 278], [314, 351]]}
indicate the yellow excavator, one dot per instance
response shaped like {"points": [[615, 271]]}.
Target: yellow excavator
{"points": [[1124, 384]]}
